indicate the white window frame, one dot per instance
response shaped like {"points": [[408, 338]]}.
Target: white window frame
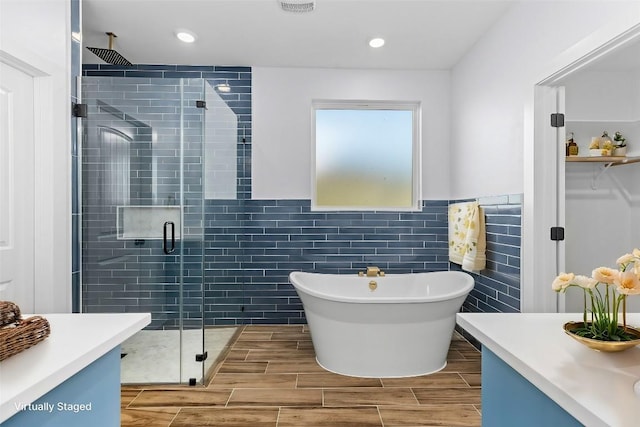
{"points": [[414, 107]]}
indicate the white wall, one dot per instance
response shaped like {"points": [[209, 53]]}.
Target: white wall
{"points": [[492, 87], [493, 122], [281, 138], [38, 33], [603, 100], [603, 209]]}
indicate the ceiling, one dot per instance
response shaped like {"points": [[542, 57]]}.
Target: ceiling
{"points": [[419, 34]]}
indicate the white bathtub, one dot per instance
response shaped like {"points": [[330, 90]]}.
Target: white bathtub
{"points": [[402, 328]]}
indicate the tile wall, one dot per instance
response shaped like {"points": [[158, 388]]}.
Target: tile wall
{"points": [[497, 287], [279, 236], [250, 246], [151, 109], [130, 157]]}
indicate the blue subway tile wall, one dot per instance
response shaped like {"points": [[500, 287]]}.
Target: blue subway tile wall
{"points": [[130, 160], [154, 110], [251, 246], [281, 236], [497, 288]]}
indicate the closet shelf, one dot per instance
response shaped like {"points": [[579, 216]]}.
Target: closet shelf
{"points": [[606, 161], [612, 160]]}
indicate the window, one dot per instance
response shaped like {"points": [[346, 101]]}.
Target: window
{"points": [[365, 155]]}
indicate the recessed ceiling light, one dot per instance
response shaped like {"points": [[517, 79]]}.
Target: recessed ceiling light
{"points": [[223, 87], [186, 36], [376, 42]]}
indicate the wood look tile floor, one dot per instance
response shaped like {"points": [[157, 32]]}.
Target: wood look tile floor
{"points": [[269, 377]]}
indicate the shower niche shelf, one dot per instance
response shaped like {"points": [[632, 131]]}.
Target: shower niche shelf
{"points": [[146, 222]]}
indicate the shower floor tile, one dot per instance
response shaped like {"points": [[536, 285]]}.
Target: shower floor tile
{"points": [[269, 377], [153, 356]]}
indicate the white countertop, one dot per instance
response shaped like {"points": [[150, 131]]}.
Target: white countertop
{"points": [[76, 341], [594, 387]]}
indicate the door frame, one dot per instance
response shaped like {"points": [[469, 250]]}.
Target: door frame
{"points": [[542, 259], [52, 219]]}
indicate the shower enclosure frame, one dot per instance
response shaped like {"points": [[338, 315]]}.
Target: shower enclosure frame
{"points": [[138, 192]]}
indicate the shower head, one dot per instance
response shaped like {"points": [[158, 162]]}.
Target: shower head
{"points": [[110, 56]]}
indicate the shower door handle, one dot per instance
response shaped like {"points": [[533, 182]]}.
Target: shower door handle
{"points": [[165, 246]]}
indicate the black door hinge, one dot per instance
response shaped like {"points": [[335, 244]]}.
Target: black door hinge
{"points": [[557, 233], [79, 110], [201, 357], [201, 104], [557, 120]]}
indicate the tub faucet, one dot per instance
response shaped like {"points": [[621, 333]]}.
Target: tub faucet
{"points": [[374, 271]]}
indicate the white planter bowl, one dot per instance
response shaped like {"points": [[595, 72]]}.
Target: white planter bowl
{"points": [[620, 151]]}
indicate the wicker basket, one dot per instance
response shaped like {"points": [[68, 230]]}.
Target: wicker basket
{"points": [[9, 313], [21, 335]]}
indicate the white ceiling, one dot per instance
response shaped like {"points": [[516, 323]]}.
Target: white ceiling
{"points": [[420, 34]]}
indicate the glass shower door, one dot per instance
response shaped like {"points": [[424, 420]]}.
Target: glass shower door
{"points": [[142, 216]]}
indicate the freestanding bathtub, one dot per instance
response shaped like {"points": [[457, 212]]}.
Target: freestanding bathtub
{"points": [[398, 325]]}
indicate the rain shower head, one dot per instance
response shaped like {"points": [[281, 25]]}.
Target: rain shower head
{"points": [[110, 56]]}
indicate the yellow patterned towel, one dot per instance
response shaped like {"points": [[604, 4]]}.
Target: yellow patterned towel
{"points": [[467, 239]]}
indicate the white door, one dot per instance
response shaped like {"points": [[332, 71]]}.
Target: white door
{"points": [[17, 187]]}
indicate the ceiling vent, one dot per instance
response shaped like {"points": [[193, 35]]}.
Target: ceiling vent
{"points": [[297, 5]]}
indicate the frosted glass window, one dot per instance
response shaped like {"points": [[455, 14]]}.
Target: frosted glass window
{"points": [[365, 156]]}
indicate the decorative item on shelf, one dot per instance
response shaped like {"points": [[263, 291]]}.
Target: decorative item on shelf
{"points": [[594, 147], [19, 334], [619, 144], [606, 145], [572, 147], [605, 296], [601, 146]]}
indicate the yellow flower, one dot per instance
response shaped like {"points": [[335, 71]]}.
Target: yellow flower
{"points": [[628, 283], [636, 253], [605, 275], [562, 282]]}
